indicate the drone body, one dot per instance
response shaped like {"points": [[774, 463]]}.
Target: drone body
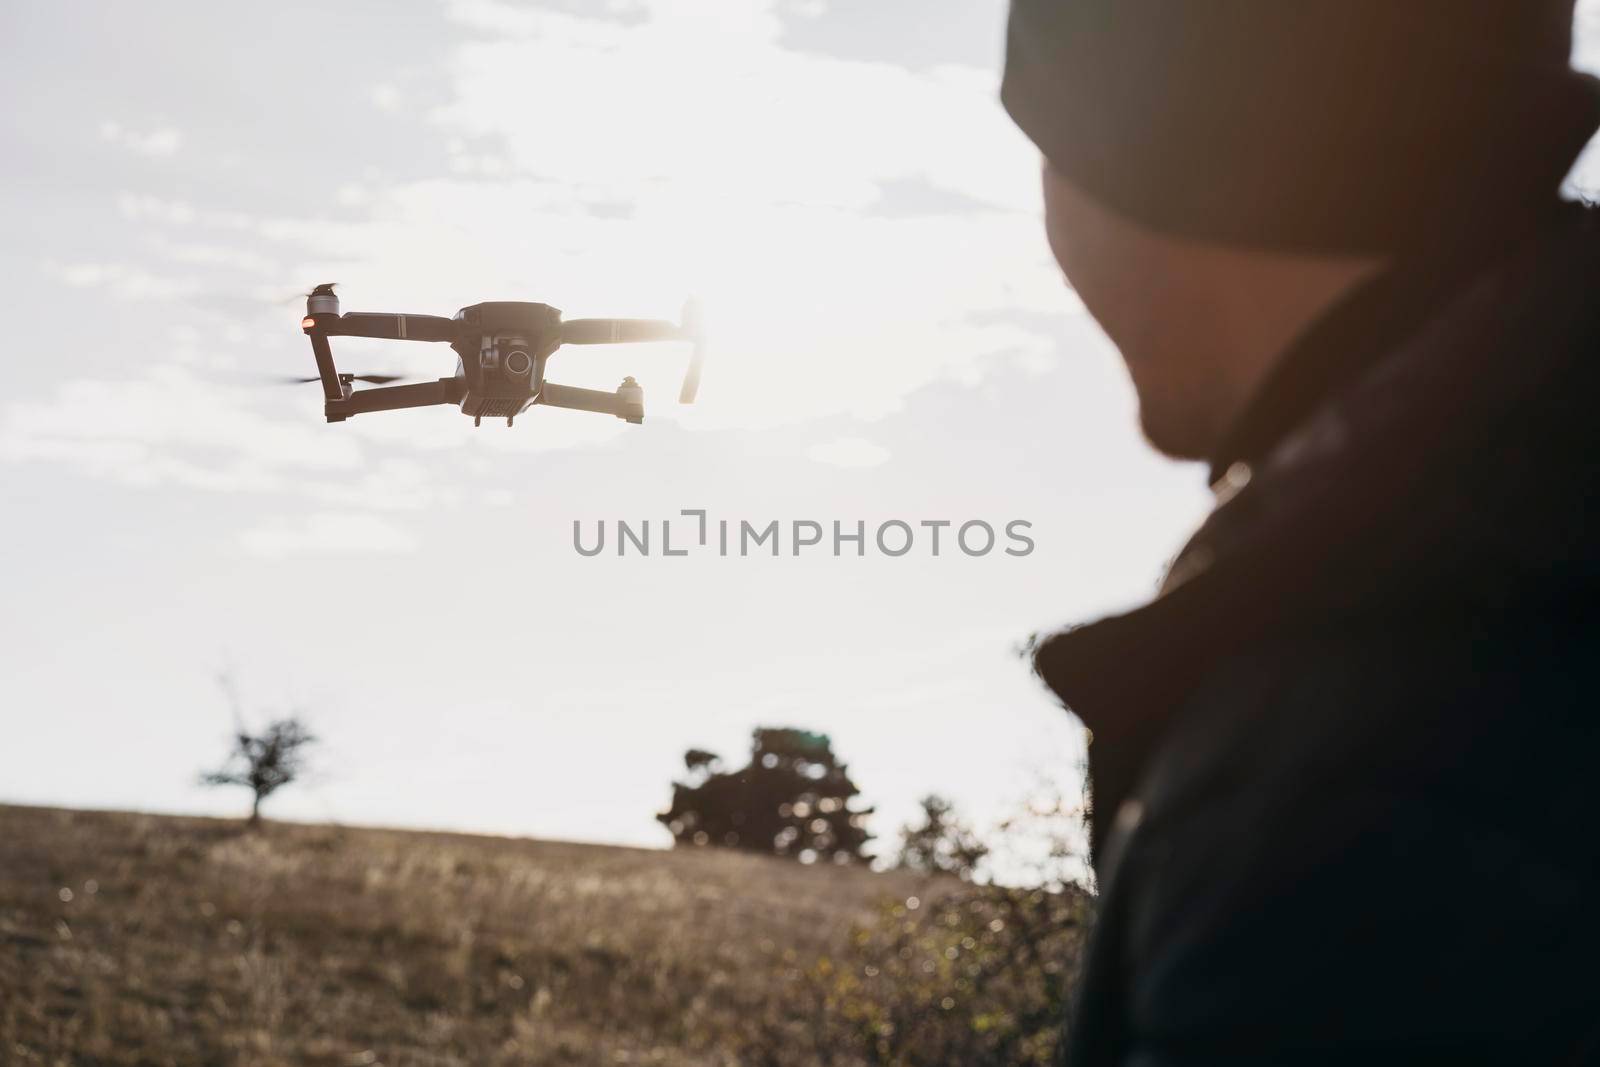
{"points": [[501, 350]]}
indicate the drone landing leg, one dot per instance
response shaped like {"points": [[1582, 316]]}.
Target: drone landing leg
{"points": [[331, 389]]}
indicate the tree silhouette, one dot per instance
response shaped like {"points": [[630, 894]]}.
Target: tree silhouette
{"points": [[792, 799], [941, 843], [264, 762]]}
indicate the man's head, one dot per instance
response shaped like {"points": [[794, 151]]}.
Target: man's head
{"points": [[1219, 173]]}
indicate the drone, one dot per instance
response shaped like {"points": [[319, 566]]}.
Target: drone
{"points": [[501, 349]]}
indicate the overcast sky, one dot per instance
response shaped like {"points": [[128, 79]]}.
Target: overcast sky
{"points": [[833, 179]]}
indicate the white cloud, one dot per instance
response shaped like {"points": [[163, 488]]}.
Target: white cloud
{"points": [[385, 96], [217, 254], [171, 426], [326, 534], [161, 141], [143, 207], [849, 452], [124, 281], [176, 425]]}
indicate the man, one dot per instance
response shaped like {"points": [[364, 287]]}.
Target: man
{"points": [[1346, 766]]}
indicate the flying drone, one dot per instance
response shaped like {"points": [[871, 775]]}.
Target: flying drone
{"points": [[501, 350]]}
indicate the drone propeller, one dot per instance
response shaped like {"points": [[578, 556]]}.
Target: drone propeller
{"points": [[694, 328], [299, 296], [373, 379], [689, 328]]}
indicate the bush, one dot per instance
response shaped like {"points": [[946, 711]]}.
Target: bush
{"points": [[979, 976]]}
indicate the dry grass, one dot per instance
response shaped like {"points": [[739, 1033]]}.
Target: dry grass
{"points": [[135, 939]]}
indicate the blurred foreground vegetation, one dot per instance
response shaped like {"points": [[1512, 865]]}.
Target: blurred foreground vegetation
{"points": [[134, 939]]}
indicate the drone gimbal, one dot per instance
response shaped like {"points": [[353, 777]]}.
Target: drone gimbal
{"points": [[501, 347]]}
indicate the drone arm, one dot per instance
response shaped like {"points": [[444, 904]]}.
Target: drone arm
{"points": [[619, 331], [323, 324], [622, 403], [393, 397], [570, 396], [388, 326]]}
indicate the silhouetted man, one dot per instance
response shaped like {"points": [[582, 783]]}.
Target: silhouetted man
{"points": [[1346, 765]]}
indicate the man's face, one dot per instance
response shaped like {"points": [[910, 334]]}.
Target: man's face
{"points": [[1123, 274], [1198, 324]]}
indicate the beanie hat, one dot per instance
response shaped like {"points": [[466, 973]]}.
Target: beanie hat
{"points": [[1318, 125]]}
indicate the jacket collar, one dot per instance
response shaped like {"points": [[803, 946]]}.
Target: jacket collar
{"points": [[1378, 495], [1367, 324]]}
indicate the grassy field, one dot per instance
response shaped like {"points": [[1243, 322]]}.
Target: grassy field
{"points": [[137, 939]]}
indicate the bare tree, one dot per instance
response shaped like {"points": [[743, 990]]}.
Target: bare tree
{"points": [[264, 762]]}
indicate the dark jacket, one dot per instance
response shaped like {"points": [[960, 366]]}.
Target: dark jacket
{"points": [[1346, 766]]}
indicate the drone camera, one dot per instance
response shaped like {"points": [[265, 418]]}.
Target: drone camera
{"points": [[518, 363]]}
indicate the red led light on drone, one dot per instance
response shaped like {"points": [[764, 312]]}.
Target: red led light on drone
{"points": [[307, 322]]}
